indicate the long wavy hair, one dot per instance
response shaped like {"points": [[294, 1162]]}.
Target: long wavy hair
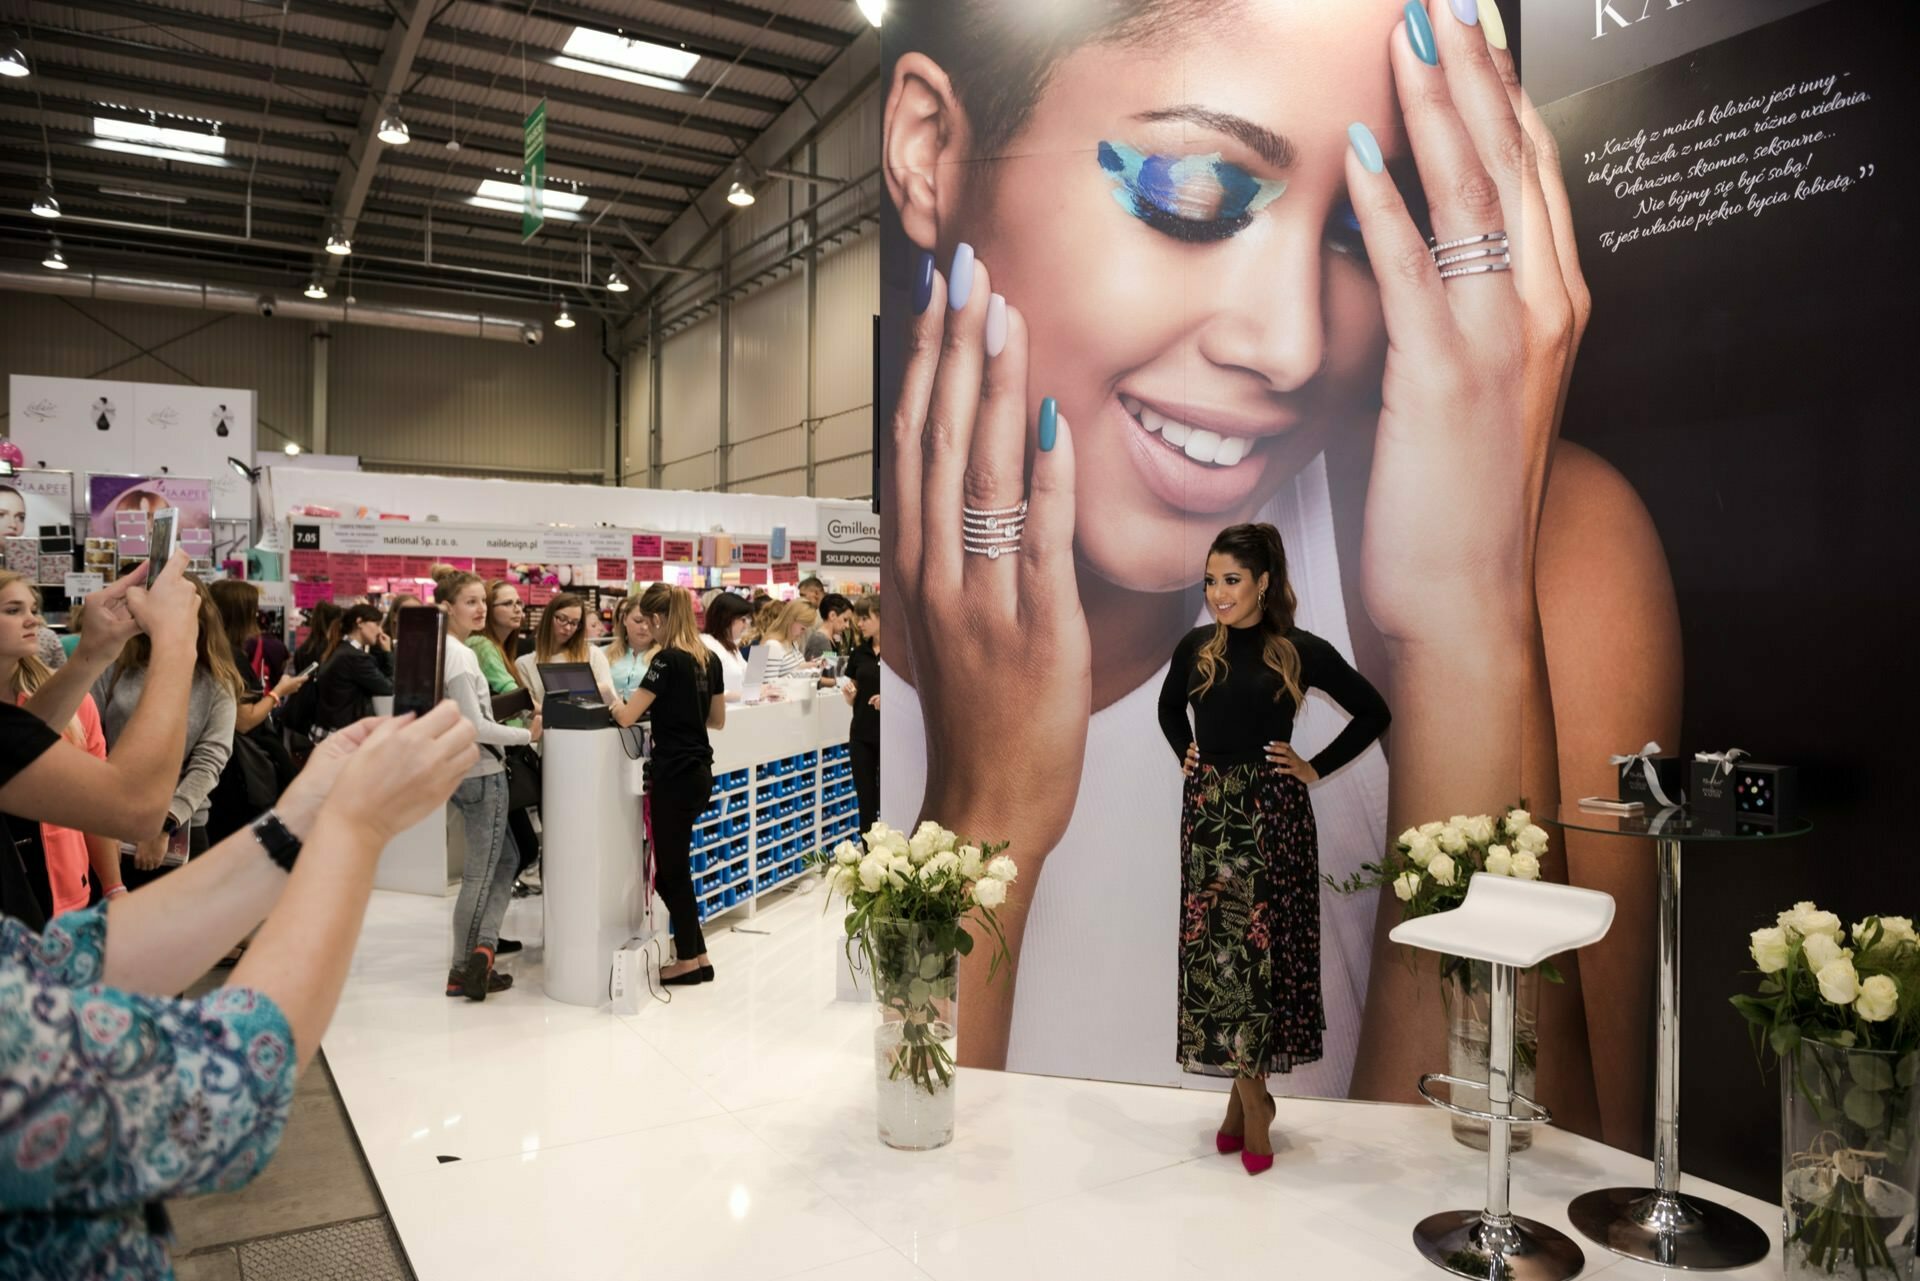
{"points": [[1259, 550], [499, 646], [213, 654], [29, 673], [670, 610]]}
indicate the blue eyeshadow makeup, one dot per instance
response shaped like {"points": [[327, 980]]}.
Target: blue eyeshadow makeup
{"points": [[1192, 198]]}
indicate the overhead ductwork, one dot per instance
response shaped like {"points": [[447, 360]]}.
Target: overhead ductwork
{"points": [[205, 297]]}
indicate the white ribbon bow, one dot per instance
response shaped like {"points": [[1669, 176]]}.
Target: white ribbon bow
{"points": [[1722, 762], [1652, 776]]}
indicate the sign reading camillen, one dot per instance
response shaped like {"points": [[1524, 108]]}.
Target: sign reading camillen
{"points": [[849, 537]]}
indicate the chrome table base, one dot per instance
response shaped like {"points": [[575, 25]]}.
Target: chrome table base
{"points": [[1470, 1243], [1668, 1229]]}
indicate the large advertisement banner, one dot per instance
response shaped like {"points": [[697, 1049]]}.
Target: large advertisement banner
{"points": [[1684, 511]]}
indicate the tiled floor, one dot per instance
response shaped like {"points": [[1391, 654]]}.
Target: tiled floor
{"points": [[730, 1134]]}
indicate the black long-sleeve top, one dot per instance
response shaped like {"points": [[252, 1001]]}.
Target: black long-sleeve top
{"points": [[346, 686], [1241, 714], [863, 669]]}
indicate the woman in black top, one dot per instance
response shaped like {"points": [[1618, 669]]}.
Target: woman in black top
{"points": [[685, 690], [1249, 852], [359, 669], [863, 692]]}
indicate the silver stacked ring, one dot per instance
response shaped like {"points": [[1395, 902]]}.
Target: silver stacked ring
{"points": [[1472, 255], [992, 532]]}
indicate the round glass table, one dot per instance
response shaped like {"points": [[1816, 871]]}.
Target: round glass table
{"points": [[1658, 1224]]}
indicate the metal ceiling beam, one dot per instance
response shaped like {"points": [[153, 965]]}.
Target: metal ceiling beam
{"points": [[706, 46], [728, 9], [674, 156], [358, 55]]}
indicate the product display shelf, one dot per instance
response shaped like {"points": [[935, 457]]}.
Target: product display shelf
{"points": [[765, 821]]}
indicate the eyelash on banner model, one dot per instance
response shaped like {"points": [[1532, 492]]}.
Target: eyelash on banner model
{"points": [[1192, 198]]}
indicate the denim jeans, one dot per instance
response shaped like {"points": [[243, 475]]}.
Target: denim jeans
{"points": [[486, 882]]}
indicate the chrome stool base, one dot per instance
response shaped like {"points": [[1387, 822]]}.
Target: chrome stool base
{"points": [[1668, 1229], [1467, 1244]]}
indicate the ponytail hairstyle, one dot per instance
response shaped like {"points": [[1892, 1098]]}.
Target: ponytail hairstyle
{"points": [[544, 647], [450, 584], [619, 648], [1258, 550], [664, 601]]}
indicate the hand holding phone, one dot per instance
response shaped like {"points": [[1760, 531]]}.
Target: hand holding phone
{"points": [[419, 664], [162, 531]]}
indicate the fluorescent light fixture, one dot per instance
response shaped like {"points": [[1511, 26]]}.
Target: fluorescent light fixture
{"points": [[604, 53], [393, 129], [292, 447], [162, 153], [616, 284], [167, 140], [740, 195], [315, 289], [55, 260], [873, 9], [563, 320], [44, 205], [515, 207], [13, 63], [510, 192], [132, 194], [640, 78]]}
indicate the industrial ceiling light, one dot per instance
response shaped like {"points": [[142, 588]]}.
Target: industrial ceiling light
{"points": [[563, 320], [292, 447], [13, 63], [393, 128], [44, 205], [315, 289], [337, 242], [739, 194], [874, 10], [616, 283], [55, 260]]}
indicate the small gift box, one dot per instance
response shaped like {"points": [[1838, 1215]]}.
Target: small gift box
{"points": [[1710, 786], [23, 557], [1765, 793], [1651, 777]]}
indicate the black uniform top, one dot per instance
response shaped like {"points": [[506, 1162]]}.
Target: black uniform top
{"points": [[348, 684], [863, 668], [24, 738], [683, 689], [1240, 715]]}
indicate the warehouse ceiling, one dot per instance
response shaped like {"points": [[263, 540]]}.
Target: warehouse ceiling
{"points": [[226, 140]]}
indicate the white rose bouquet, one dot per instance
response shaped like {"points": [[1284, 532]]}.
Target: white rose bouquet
{"points": [[910, 899], [1840, 1011]]}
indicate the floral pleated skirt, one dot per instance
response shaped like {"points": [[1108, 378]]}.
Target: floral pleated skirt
{"points": [[1249, 923]]}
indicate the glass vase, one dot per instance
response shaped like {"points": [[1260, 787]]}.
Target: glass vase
{"points": [[1850, 1163], [915, 972], [1468, 990]]}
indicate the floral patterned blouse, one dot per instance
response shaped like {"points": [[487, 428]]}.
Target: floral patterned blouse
{"points": [[111, 1101]]}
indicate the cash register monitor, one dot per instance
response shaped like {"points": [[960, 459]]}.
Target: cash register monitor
{"points": [[572, 682]]}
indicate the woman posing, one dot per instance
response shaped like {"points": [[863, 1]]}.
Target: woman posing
{"points": [[359, 670], [684, 691], [562, 637], [1182, 287], [212, 709], [862, 687], [728, 617], [1249, 851], [480, 802], [74, 863], [632, 648]]}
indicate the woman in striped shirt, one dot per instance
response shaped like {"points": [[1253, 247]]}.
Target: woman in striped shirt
{"points": [[783, 633]]}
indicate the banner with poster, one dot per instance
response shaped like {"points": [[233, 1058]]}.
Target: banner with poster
{"points": [[36, 504], [1716, 517], [120, 506]]}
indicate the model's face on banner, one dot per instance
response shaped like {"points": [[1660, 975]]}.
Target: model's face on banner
{"points": [[1172, 221]]}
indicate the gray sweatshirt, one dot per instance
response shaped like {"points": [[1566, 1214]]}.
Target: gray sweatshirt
{"points": [[210, 710]]}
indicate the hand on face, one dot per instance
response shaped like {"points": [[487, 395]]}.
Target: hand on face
{"points": [[1478, 364], [959, 441]]}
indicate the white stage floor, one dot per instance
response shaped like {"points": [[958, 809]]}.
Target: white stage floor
{"points": [[730, 1135]]}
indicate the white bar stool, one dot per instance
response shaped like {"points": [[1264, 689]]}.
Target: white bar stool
{"points": [[1512, 925]]}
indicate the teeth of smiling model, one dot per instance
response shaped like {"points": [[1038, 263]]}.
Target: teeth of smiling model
{"points": [[1131, 405], [1202, 445], [1232, 450], [1173, 433]]}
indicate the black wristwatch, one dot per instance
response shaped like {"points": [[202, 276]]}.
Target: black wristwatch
{"points": [[282, 846]]}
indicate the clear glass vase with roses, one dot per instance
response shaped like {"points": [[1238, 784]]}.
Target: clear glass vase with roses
{"points": [[1428, 869], [1843, 1023], [910, 900]]}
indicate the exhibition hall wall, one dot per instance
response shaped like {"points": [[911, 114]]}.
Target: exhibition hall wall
{"points": [[1722, 558]]}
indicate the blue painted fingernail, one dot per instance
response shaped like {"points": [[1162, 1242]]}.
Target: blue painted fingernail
{"points": [[960, 279], [922, 282], [1468, 11], [1049, 424], [1420, 34], [1365, 146]]}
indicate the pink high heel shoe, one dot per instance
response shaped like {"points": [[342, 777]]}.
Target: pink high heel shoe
{"points": [[1255, 1163], [1228, 1143]]}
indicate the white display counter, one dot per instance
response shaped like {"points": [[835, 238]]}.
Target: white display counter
{"points": [[593, 872]]}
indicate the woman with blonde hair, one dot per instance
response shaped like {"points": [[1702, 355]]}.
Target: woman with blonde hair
{"points": [[632, 648], [212, 707], [785, 627], [69, 856], [684, 689], [561, 637]]}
